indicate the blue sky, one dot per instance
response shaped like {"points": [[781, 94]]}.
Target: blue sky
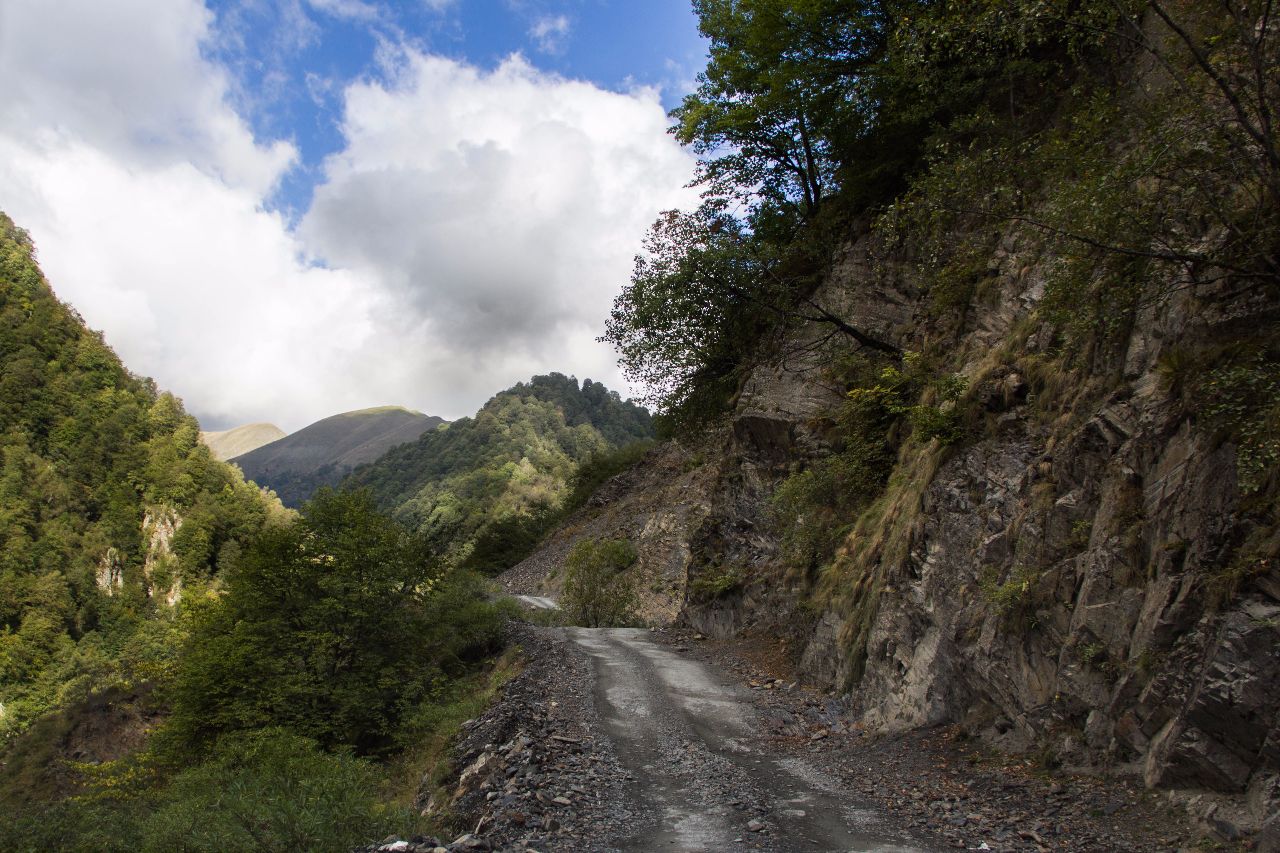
{"points": [[291, 61], [283, 209]]}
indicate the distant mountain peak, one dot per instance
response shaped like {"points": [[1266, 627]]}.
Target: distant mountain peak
{"points": [[229, 443], [322, 453], [379, 410]]}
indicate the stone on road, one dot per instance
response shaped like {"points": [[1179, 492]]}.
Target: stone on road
{"points": [[703, 767]]}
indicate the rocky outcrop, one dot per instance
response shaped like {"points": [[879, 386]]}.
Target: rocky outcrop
{"points": [[1071, 578], [658, 506], [159, 564], [110, 573]]}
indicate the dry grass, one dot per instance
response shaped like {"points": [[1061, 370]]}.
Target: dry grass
{"points": [[880, 541]]}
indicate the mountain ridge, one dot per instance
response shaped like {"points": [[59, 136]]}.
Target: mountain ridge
{"points": [[513, 460], [229, 443], [322, 453]]}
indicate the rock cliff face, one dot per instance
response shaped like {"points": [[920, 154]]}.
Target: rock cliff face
{"points": [[1079, 582], [1080, 576]]}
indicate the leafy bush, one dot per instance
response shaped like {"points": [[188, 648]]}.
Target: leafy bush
{"points": [[270, 790], [266, 790], [1244, 397], [72, 826], [597, 593], [710, 586], [1011, 594], [814, 507], [335, 628], [504, 542]]}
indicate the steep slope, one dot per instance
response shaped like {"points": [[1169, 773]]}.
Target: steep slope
{"points": [[109, 506], [1036, 495], [324, 452], [513, 460], [230, 443], [1081, 575]]}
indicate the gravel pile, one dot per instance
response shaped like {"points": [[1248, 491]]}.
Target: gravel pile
{"points": [[538, 773]]}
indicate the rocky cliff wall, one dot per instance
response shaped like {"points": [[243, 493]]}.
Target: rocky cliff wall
{"points": [[1077, 576]]}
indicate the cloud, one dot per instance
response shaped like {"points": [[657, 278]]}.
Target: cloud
{"points": [[128, 75], [500, 207], [471, 232], [550, 32], [196, 284], [348, 10]]}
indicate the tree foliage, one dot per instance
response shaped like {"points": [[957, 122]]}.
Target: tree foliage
{"points": [[336, 627], [257, 791], [597, 591], [269, 790], [697, 303], [87, 453], [505, 468], [785, 85]]}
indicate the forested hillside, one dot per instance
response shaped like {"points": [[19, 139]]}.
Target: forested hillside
{"points": [[110, 507], [184, 664], [495, 479]]}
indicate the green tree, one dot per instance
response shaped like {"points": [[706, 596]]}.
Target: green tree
{"points": [[597, 591], [269, 790], [694, 310], [785, 82], [704, 298], [335, 628]]}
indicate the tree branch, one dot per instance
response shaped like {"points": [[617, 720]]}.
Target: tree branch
{"points": [[1233, 98]]}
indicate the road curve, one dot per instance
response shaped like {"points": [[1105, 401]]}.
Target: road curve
{"points": [[702, 765], [537, 602]]}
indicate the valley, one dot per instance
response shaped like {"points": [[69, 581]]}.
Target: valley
{"points": [[945, 516]]}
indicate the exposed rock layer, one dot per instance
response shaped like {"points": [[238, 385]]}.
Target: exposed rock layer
{"points": [[1134, 633]]}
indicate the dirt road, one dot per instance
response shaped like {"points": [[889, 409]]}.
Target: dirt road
{"points": [[690, 737], [613, 740]]}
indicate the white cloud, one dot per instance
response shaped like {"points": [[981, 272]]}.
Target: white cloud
{"points": [[498, 206], [500, 209], [472, 232], [129, 76], [350, 10], [196, 285], [550, 32]]}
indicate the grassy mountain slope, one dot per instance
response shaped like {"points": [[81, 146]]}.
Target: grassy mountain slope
{"points": [[515, 459], [237, 441], [322, 453], [109, 504]]}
